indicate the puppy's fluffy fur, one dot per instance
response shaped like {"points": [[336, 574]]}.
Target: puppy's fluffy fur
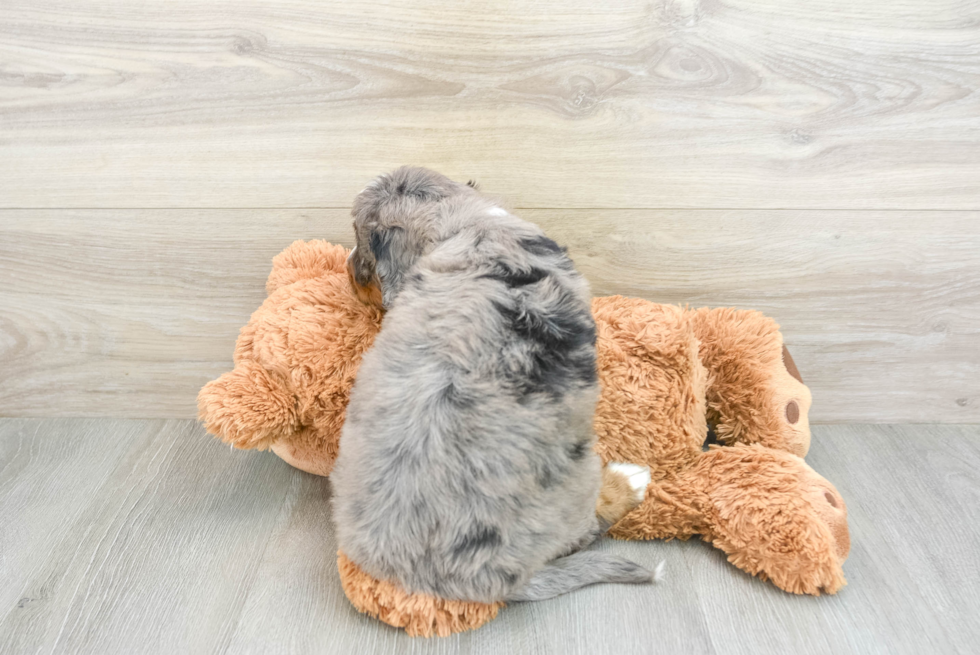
{"points": [[466, 468]]}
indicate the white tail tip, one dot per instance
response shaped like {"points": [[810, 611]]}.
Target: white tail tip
{"points": [[659, 572]]}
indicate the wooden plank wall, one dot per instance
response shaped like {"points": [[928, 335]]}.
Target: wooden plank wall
{"points": [[819, 161]]}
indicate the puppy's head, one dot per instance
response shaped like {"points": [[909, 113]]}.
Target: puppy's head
{"points": [[395, 222]]}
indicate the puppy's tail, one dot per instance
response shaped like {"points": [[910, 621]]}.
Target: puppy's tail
{"points": [[579, 570]]}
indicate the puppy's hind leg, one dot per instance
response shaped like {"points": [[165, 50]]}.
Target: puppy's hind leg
{"points": [[624, 487]]}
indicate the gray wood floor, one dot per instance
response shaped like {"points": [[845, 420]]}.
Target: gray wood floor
{"points": [[126, 536]]}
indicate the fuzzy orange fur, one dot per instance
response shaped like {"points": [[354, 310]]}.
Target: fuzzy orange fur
{"points": [[666, 372], [421, 615], [295, 361]]}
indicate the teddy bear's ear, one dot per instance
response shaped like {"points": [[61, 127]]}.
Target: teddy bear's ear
{"points": [[248, 407], [304, 260]]}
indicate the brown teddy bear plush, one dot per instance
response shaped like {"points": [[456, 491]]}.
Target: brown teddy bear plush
{"points": [[666, 373]]}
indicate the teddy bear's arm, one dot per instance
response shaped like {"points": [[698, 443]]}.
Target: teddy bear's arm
{"points": [[248, 407], [755, 393]]}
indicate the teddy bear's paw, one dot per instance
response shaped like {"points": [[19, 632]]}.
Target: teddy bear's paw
{"points": [[623, 488], [777, 518]]}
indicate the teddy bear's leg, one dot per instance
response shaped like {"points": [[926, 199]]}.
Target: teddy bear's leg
{"points": [[671, 509], [755, 393], [774, 516], [248, 407]]}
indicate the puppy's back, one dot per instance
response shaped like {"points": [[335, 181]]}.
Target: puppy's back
{"points": [[466, 461]]}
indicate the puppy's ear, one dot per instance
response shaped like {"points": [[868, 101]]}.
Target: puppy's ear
{"points": [[392, 257]]}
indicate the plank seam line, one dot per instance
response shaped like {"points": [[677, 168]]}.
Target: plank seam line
{"points": [[347, 207]]}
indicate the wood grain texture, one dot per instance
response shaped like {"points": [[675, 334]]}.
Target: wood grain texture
{"points": [[559, 103], [129, 312], [156, 559], [174, 543]]}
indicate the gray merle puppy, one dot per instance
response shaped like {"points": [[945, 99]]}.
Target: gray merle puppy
{"points": [[466, 467]]}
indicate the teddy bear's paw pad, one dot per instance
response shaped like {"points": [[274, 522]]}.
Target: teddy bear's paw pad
{"points": [[638, 478]]}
